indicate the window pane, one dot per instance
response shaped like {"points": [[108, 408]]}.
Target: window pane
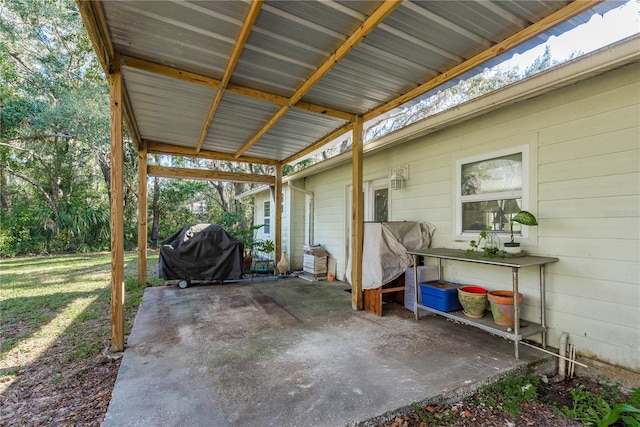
{"points": [[492, 214], [267, 218], [381, 205], [492, 176]]}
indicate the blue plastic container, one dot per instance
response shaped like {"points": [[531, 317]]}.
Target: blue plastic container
{"points": [[440, 295]]}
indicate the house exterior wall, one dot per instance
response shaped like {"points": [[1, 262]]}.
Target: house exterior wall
{"points": [[584, 156], [258, 215], [292, 224], [298, 226]]}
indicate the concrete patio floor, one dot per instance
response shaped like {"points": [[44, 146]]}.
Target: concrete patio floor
{"points": [[293, 353]]}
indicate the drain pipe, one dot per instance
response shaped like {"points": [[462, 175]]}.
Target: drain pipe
{"points": [[562, 351], [311, 213]]}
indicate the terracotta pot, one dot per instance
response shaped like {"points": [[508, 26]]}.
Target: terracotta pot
{"points": [[246, 263], [473, 300], [502, 306]]}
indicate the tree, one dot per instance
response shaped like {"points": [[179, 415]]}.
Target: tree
{"points": [[55, 120]]}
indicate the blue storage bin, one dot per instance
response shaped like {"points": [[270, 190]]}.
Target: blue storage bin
{"points": [[440, 295]]}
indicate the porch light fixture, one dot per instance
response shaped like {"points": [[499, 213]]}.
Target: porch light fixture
{"points": [[399, 175]]}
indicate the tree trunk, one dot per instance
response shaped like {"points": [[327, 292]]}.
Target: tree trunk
{"points": [[5, 201], [105, 167]]}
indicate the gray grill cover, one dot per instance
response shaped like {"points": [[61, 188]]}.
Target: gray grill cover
{"points": [[201, 252]]}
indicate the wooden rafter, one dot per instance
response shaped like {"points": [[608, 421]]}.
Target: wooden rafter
{"points": [[561, 15], [176, 150], [187, 76], [352, 41], [320, 143], [233, 60], [130, 120], [533, 30], [94, 18], [283, 100], [209, 175], [95, 23]]}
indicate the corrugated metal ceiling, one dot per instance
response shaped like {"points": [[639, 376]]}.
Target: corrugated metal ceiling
{"points": [[288, 42]]}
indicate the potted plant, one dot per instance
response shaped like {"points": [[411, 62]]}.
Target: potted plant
{"points": [[266, 247], [491, 246], [247, 237], [524, 218]]}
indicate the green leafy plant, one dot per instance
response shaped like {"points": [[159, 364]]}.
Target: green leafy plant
{"points": [[602, 409], [523, 218], [265, 246], [489, 251]]}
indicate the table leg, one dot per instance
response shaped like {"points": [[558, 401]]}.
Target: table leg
{"points": [[416, 311], [543, 303], [516, 311]]}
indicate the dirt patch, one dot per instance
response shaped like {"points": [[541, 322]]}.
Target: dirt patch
{"points": [[50, 394], [544, 410]]}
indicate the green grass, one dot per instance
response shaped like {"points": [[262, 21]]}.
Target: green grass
{"points": [[58, 308], [510, 394]]}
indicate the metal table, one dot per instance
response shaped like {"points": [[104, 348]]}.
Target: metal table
{"points": [[515, 263]]}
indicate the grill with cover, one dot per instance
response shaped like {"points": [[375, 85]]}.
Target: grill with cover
{"points": [[203, 252]]}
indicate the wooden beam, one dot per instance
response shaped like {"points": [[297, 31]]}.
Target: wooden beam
{"points": [[175, 73], [209, 175], [142, 214], [319, 144], [207, 123], [95, 23], [130, 120], [357, 216], [171, 72], [278, 211], [233, 60], [242, 40], [272, 121], [117, 209], [177, 150], [284, 101], [498, 49], [352, 41]]}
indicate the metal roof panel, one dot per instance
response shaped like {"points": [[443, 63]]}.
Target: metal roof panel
{"points": [[167, 110], [288, 42]]}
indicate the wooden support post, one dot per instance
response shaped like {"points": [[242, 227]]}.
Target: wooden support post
{"points": [[142, 214], [278, 210], [357, 216], [117, 209]]}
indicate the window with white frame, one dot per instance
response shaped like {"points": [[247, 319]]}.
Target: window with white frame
{"points": [[491, 189], [266, 217]]}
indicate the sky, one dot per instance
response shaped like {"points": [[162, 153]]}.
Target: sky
{"points": [[600, 31]]}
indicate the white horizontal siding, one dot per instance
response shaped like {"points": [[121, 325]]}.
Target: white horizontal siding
{"points": [[298, 226], [330, 195], [584, 147]]}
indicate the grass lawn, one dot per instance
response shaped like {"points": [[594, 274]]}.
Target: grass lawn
{"points": [[55, 317]]}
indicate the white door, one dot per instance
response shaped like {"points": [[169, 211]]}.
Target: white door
{"points": [[376, 207]]}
